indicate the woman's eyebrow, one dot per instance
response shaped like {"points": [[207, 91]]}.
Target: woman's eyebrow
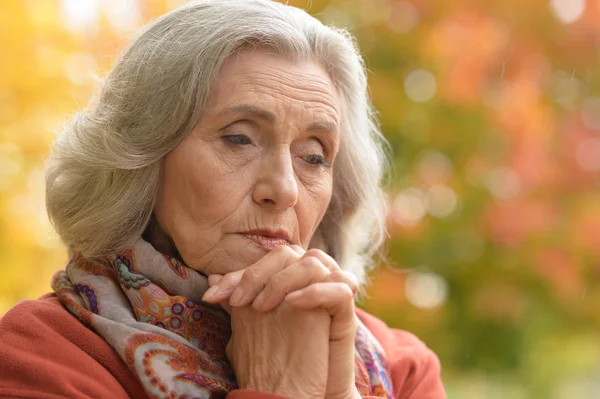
{"points": [[268, 116], [325, 126], [252, 110]]}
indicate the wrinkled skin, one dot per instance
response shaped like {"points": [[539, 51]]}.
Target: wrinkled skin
{"points": [[237, 172], [240, 200]]}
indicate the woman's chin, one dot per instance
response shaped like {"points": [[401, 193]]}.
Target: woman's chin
{"points": [[246, 254], [238, 258]]}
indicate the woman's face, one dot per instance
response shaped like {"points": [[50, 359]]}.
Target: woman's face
{"points": [[256, 170]]}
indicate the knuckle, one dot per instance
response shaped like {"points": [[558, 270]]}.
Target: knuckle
{"points": [[309, 261], [352, 281], [315, 252], [284, 250], [251, 277], [324, 257], [340, 290], [315, 265], [319, 289], [285, 253], [337, 277], [228, 279], [346, 291]]}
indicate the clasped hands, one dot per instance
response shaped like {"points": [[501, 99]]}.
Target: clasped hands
{"points": [[293, 324]]}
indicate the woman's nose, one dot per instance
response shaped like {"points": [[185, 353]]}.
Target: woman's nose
{"points": [[277, 186]]}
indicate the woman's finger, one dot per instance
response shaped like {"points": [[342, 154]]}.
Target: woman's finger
{"points": [[257, 275], [337, 274], [298, 249], [300, 274], [336, 298], [214, 279], [222, 288], [325, 258], [345, 277]]}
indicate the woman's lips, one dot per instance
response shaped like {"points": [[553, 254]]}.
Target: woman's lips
{"points": [[265, 242]]}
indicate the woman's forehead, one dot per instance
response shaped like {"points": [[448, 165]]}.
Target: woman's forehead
{"points": [[274, 81]]}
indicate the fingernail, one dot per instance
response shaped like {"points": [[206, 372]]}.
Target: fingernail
{"points": [[236, 297], [210, 293]]}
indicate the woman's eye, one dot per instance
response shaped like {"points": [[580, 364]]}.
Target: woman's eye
{"points": [[317, 160], [239, 139]]}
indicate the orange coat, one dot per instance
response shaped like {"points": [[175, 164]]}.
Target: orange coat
{"points": [[46, 353]]}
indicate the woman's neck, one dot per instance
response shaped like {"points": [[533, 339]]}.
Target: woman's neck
{"points": [[155, 235]]}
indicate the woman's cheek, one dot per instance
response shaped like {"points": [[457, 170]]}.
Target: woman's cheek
{"points": [[317, 195], [315, 177], [234, 158]]}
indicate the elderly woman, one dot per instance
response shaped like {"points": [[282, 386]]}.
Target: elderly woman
{"points": [[220, 200]]}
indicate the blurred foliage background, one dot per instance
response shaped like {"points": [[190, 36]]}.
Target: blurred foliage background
{"points": [[493, 112]]}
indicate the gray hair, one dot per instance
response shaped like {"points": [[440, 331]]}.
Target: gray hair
{"points": [[103, 174]]}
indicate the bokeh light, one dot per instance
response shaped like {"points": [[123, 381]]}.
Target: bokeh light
{"points": [[420, 85], [426, 290], [568, 11]]}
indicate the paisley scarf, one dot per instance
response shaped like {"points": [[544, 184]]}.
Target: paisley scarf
{"points": [[148, 307]]}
